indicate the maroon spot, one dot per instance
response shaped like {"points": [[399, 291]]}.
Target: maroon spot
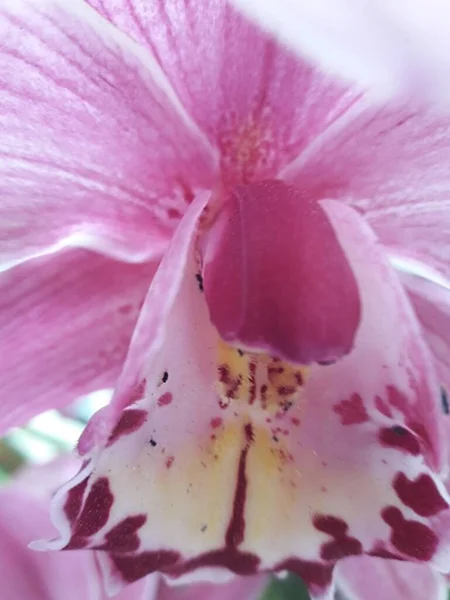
{"points": [[216, 422], [340, 548], [400, 438], [352, 411], [169, 461], [174, 213], [334, 526], [76, 543], [410, 537], [295, 421], [72, 505], [241, 563], [235, 531], [249, 433], [286, 390], [96, 509], [313, 573], [299, 378], [130, 421], [165, 399], [421, 495], [252, 382], [137, 566], [123, 536], [343, 545], [382, 407]]}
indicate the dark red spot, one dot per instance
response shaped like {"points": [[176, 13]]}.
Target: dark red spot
{"points": [[235, 531], [352, 411], [410, 537], [72, 505], [125, 309], [252, 382], [299, 378], [96, 509], [137, 566], [174, 213], [334, 526], [130, 421], [342, 545], [216, 422], [295, 421], [77, 543], [382, 407], [123, 537], [421, 495], [169, 461], [286, 390], [249, 433], [165, 399], [224, 374], [314, 574], [400, 438]]}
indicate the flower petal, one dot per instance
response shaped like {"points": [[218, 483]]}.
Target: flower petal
{"points": [[392, 47], [248, 463], [431, 302], [66, 321], [96, 150], [367, 578], [276, 278], [255, 100], [391, 164]]}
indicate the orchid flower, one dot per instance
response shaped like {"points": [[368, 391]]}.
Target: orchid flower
{"points": [[389, 46], [74, 575], [278, 407]]}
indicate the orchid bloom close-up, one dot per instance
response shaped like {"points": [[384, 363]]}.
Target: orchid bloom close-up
{"points": [[255, 255]]}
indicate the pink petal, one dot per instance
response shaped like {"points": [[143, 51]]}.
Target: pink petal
{"points": [[276, 278], [432, 305], [391, 164], [96, 150], [256, 102], [239, 588], [66, 321], [392, 47], [249, 463], [377, 579]]}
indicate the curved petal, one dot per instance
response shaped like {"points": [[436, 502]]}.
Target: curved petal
{"points": [[276, 278], [431, 302], [391, 164], [95, 150], [255, 100], [392, 47], [246, 462], [368, 578], [66, 321]]}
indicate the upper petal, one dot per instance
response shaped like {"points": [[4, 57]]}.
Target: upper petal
{"points": [[391, 164], [368, 578], [66, 321], [96, 150], [256, 101], [391, 47], [242, 462]]}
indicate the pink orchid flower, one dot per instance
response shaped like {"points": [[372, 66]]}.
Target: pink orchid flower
{"points": [[75, 575], [391, 46], [278, 408]]}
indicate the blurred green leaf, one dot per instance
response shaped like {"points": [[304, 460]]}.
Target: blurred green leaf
{"points": [[290, 588]]}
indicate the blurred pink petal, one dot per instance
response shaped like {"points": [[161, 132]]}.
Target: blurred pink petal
{"points": [[276, 278], [239, 588], [431, 302], [96, 149], [66, 321], [204, 472], [391, 164], [254, 99], [389, 46], [365, 578]]}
